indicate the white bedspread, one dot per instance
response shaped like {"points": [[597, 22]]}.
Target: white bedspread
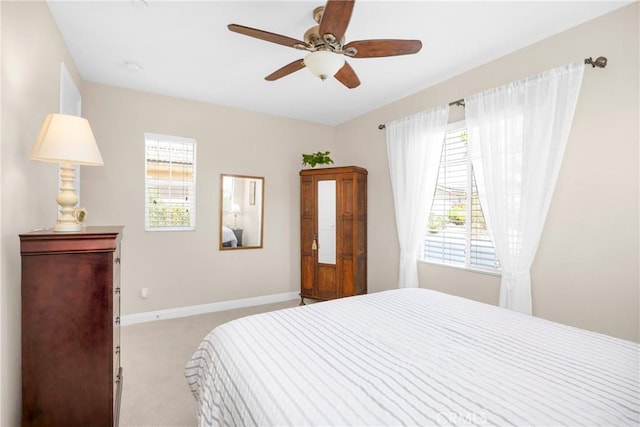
{"points": [[411, 357], [229, 236]]}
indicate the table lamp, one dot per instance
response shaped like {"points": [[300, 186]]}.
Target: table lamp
{"points": [[235, 210], [67, 140]]}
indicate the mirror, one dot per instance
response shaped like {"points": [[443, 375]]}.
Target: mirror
{"points": [[241, 211], [327, 222]]}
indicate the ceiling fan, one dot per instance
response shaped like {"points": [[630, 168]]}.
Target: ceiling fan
{"points": [[325, 44]]}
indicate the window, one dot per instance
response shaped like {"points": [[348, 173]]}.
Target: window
{"points": [[227, 194], [456, 233], [170, 183]]}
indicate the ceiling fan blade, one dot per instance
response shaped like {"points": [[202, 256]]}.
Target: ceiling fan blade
{"points": [[336, 17], [296, 65], [265, 35], [347, 76], [382, 47]]}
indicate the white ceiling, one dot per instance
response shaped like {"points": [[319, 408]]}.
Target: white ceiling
{"points": [[185, 50]]}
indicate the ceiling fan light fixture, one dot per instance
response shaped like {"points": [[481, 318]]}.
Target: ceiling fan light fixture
{"points": [[324, 64]]}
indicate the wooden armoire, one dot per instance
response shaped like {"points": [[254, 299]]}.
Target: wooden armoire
{"points": [[71, 372], [333, 238]]}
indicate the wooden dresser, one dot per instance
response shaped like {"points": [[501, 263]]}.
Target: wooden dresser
{"points": [[71, 373], [333, 237]]}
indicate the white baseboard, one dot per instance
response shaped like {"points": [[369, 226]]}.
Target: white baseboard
{"points": [[172, 313]]}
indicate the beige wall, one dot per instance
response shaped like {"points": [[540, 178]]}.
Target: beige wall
{"points": [[32, 50], [586, 270], [585, 273], [187, 268]]}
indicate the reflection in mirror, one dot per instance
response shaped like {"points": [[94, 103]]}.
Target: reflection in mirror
{"points": [[241, 211]]}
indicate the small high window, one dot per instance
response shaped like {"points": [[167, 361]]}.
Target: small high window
{"points": [[170, 183]]}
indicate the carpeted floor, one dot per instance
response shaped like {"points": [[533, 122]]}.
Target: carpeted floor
{"points": [[155, 392]]}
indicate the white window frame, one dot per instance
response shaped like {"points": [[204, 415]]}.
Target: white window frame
{"points": [[467, 265], [189, 186]]}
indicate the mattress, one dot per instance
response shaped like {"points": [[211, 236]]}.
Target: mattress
{"points": [[411, 357]]}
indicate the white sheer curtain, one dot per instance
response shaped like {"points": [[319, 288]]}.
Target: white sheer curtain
{"points": [[414, 146], [517, 137]]}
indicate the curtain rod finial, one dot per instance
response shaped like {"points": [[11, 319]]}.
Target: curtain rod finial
{"points": [[381, 127], [599, 62]]}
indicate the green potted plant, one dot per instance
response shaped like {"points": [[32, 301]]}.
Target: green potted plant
{"points": [[436, 223], [318, 158], [458, 214]]}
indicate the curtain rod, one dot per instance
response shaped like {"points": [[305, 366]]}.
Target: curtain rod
{"points": [[599, 62]]}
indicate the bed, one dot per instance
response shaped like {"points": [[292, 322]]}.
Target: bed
{"points": [[411, 357], [229, 238]]}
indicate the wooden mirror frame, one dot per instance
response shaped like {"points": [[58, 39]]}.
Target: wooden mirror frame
{"points": [[249, 201]]}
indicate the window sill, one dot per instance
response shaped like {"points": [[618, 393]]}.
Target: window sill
{"points": [[457, 267]]}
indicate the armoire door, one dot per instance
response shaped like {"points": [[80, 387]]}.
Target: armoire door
{"points": [[318, 237], [307, 233], [326, 241]]}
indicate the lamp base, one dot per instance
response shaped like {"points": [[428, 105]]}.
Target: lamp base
{"points": [[67, 200], [67, 228]]}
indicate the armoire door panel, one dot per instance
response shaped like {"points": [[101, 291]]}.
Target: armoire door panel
{"points": [[361, 197], [308, 275], [360, 275], [307, 200], [347, 238], [307, 234], [327, 284], [348, 287], [347, 196]]}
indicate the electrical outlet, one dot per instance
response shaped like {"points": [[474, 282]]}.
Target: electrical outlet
{"points": [[144, 293]]}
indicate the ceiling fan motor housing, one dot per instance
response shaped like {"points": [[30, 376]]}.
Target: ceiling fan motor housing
{"points": [[316, 42]]}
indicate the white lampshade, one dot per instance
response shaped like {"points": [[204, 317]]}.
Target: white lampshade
{"points": [[324, 64], [65, 138], [235, 209]]}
